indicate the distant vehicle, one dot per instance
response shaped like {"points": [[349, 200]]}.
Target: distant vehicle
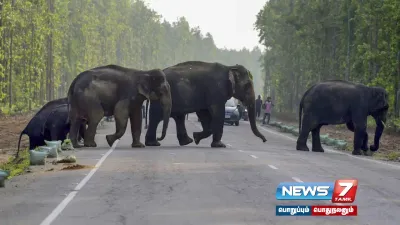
{"points": [[232, 112], [245, 115]]}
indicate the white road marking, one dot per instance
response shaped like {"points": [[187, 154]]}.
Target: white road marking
{"points": [[273, 167], [228, 145], [253, 156], [297, 179], [240, 150], [53, 215], [328, 149]]}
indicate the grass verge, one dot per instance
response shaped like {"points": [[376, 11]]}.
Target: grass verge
{"points": [[388, 151], [15, 166]]}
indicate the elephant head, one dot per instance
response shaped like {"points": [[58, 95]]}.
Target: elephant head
{"points": [[378, 107], [154, 86], [240, 86]]}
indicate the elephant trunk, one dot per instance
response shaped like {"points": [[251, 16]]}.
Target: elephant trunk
{"points": [[166, 103], [251, 109]]}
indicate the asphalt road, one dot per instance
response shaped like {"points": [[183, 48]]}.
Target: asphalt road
{"points": [[196, 184]]}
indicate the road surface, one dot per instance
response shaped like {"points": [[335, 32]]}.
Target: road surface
{"points": [[196, 184]]}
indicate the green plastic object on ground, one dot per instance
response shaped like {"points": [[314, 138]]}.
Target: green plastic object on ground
{"points": [[284, 128], [56, 144], [341, 144], [37, 157], [290, 129], [324, 138], [295, 132], [3, 176], [330, 141], [50, 150], [67, 145]]}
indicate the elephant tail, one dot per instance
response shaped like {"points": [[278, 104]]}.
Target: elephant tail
{"points": [[300, 113], [19, 142], [301, 105]]}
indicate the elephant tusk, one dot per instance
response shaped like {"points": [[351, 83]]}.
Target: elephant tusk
{"points": [[384, 125]]}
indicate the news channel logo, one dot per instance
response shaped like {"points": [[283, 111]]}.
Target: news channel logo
{"points": [[340, 191]]}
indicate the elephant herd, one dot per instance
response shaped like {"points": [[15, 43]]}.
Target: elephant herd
{"points": [[195, 87], [187, 87]]}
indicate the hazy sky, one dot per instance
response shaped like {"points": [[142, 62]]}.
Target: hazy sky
{"points": [[231, 22]]}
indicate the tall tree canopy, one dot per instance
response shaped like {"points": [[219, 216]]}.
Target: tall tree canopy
{"points": [[45, 43], [316, 40]]}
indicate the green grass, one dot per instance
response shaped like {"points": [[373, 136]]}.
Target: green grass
{"points": [[15, 166]]}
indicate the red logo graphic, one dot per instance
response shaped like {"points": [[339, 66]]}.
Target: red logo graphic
{"points": [[344, 191]]}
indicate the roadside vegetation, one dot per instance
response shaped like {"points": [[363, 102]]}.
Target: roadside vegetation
{"points": [[45, 44], [311, 41]]}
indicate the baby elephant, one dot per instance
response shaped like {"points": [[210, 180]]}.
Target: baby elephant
{"points": [[50, 123]]}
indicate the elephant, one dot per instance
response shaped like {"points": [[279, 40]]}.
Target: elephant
{"points": [[118, 91], [204, 88], [336, 102], [49, 123]]}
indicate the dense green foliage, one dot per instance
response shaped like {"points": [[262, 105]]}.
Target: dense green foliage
{"points": [[46, 43], [315, 40]]}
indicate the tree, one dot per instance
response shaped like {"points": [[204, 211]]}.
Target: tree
{"points": [[46, 43], [311, 41]]}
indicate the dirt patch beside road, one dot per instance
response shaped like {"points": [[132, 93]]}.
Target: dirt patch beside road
{"points": [[10, 129]]}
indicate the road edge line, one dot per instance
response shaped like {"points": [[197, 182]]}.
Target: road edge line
{"points": [[63, 204]]}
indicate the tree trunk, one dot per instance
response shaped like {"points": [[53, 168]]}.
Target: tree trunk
{"points": [[50, 61]]}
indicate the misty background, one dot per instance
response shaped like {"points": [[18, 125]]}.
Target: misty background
{"points": [[46, 43]]}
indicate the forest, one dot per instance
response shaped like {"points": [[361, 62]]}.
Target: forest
{"points": [[314, 40], [46, 43]]}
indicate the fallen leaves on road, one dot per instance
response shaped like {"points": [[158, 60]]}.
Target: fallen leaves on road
{"points": [[76, 167]]}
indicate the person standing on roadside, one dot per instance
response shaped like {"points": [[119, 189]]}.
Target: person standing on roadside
{"points": [[258, 106], [267, 110]]}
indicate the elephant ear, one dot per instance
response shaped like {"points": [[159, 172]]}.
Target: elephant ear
{"points": [[379, 100], [232, 77], [144, 85]]}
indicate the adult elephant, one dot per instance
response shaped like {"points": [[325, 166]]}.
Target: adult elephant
{"points": [[341, 102], [203, 88], [49, 123], [119, 91]]}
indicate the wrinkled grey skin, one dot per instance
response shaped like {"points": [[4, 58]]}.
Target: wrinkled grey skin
{"points": [[341, 102], [203, 88], [119, 91]]}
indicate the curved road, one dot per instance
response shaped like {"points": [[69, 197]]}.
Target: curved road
{"points": [[196, 184]]}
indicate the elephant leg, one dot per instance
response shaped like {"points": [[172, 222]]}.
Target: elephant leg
{"points": [[73, 131], [306, 127], [217, 126], [364, 145], [94, 117], [205, 120], [155, 116], [135, 116], [360, 131], [36, 141], [82, 129], [181, 131], [316, 142], [121, 115], [55, 133]]}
